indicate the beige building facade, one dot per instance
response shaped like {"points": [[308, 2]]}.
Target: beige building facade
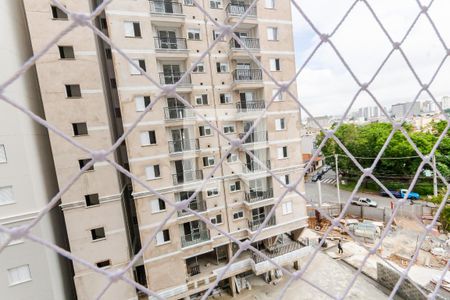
{"points": [[91, 92]]}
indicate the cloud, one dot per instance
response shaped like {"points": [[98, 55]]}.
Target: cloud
{"points": [[325, 85]]}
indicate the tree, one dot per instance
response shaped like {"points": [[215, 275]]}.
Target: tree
{"points": [[444, 217]]}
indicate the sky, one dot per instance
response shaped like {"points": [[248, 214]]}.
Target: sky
{"points": [[326, 87]]}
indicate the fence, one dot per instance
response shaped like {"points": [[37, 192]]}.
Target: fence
{"points": [[241, 12]]}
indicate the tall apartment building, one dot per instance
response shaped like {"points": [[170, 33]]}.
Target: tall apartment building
{"points": [[27, 177], [94, 94]]}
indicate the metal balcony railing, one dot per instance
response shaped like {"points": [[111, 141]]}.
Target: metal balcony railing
{"points": [[254, 224], [187, 176], [196, 205], [183, 145], [255, 137], [255, 196], [251, 167], [250, 106], [166, 7], [250, 43], [177, 113], [247, 75], [194, 238], [235, 9], [168, 43], [193, 269], [172, 78], [277, 251]]}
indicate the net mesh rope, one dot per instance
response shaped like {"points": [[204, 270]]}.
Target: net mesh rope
{"points": [[227, 31]]}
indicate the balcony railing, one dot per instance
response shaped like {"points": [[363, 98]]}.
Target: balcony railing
{"points": [[196, 205], [255, 196], [168, 43], [183, 145], [253, 166], [177, 113], [172, 78], [239, 9], [247, 75], [187, 176], [255, 137], [278, 251], [250, 43], [193, 269], [166, 7], [250, 106], [194, 238], [254, 224]]}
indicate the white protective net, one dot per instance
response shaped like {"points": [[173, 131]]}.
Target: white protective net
{"points": [[227, 31]]}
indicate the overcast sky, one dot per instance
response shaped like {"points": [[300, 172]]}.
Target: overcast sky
{"points": [[326, 87]]}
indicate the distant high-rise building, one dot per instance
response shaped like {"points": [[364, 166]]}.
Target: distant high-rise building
{"points": [[401, 109]]}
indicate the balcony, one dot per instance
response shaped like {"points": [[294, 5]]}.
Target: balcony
{"points": [[168, 43], [187, 176], [255, 137], [178, 113], [246, 75], [237, 10], [166, 7], [197, 204], [248, 106], [277, 251], [252, 167], [250, 43], [173, 78], [183, 145], [194, 238], [254, 224], [255, 196]]}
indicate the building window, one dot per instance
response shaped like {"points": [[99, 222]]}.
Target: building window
{"points": [[199, 68], [278, 97], [103, 24], [217, 219], [270, 4], [66, 52], [272, 33], [79, 129], [137, 71], [222, 67], [238, 215], [157, 205], [73, 91], [58, 14], [275, 64], [282, 152], [232, 157], [19, 275], [194, 34], [228, 129], [152, 172], [201, 99], [205, 130], [113, 83], [92, 199], [280, 124], [215, 4], [285, 179], [287, 207], [108, 53], [6, 195], [208, 161], [216, 35], [83, 162], [3, 158], [188, 2], [163, 237], [148, 138], [103, 264], [98, 233], [212, 192], [132, 29], [225, 98], [235, 186], [142, 102]]}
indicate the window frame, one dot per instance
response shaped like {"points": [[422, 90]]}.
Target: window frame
{"points": [[214, 192], [3, 155], [237, 213], [163, 235], [144, 100], [273, 35], [280, 124], [156, 171], [10, 279], [196, 34], [205, 128]]}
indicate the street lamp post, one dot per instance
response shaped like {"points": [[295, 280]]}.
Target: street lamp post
{"points": [[320, 192], [337, 179]]}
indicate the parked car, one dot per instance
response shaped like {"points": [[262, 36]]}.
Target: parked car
{"points": [[326, 169], [396, 194], [316, 177], [411, 195], [364, 202]]}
